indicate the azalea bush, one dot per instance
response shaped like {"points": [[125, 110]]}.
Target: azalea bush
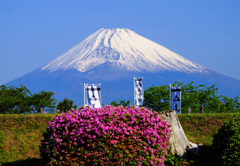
{"points": [[106, 136]]}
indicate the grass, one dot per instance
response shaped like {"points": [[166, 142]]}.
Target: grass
{"points": [[200, 128], [23, 134], [22, 137]]}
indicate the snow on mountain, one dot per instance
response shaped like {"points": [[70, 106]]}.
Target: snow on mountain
{"points": [[121, 48], [113, 57]]}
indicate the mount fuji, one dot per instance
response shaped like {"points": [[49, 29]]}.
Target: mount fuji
{"points": [[113, 57]]}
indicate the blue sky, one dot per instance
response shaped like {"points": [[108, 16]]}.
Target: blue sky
{"points": [[32, 33]]}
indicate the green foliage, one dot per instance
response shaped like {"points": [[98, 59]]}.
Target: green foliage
{"points": [[174, 160], [43, 100], [123, 103], [17, 100], [196, 96], [157, 98], [14, 99], [230, 105], [2, 146], [227, 143], [66, 105]]}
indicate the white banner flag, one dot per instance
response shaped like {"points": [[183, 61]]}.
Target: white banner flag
{"points": [[138, 92], [176, 99], [93, 96]]}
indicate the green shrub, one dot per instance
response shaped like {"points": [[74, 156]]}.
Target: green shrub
{"points": [[66, 105], [106, 136], [226, 143], [174, 160]]}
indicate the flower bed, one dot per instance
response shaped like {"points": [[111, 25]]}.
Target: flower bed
{"points": [[106, 136]]}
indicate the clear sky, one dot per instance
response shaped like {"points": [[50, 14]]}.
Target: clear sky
{"points": [[32, 33]]}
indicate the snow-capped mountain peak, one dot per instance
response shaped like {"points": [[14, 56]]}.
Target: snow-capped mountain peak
{"points": [[124, 49]]}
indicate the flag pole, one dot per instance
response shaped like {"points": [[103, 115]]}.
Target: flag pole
{"points": [[170, 97], [100, 96], [134, 101], [84, 95]]}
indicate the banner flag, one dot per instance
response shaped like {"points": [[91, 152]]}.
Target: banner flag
{"points": [[93, 96], [138, 91], [176, 99]]}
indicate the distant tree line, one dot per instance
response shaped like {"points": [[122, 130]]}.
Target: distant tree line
{"points": [[121, 102], [17, 100], [157, 98]]}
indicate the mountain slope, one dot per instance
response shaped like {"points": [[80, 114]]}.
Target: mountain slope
{"points": [[121, 48], [113, 57]]}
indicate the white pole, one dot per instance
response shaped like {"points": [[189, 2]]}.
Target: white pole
{"points": [[142, 89], [134, 101], [180, 99], [100, 96], [170, 97], [84, 95]]}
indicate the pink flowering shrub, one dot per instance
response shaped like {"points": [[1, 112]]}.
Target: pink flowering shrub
{"points": [[106, 136]]}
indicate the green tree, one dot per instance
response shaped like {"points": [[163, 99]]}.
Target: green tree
{"points": [[122, 102], [43, 100], [66, 105], [157, 98], [14, 99], [18, 100], [196, 96]]}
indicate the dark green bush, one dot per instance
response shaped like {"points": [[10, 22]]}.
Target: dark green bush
{"points": [[226, 143]]}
